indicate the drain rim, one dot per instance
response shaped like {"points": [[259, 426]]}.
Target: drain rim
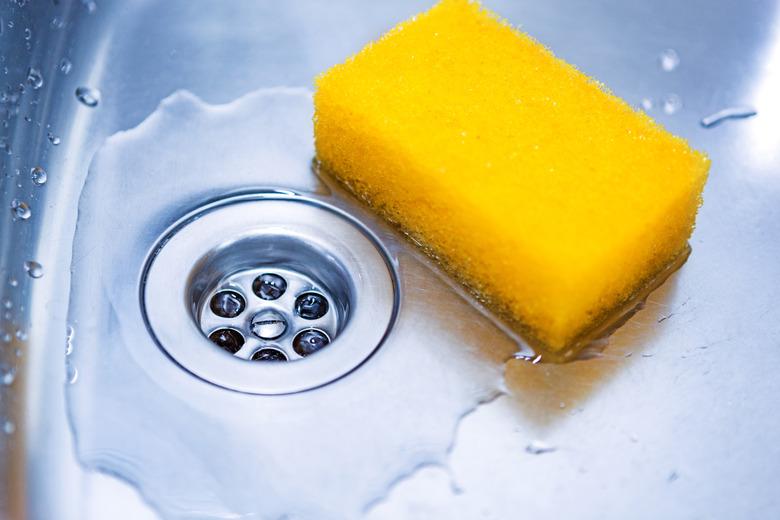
{"points": [[374, 273]]}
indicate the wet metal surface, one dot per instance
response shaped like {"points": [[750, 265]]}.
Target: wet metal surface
{"points": [[676, 419]]}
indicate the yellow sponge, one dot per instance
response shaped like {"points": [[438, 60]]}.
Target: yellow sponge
{"points": [[549, 198]]}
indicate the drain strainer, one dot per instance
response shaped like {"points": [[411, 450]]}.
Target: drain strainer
{"points": [[269, 293]]}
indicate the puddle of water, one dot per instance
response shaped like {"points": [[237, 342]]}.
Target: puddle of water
{"points": [[196, 450]]}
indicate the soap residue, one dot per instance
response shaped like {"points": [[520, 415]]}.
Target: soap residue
{"points": [[198, 451]]}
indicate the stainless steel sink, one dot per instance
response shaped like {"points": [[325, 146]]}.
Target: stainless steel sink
{"points": [[176, 143]]}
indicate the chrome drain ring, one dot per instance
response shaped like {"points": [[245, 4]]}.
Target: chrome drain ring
{"points": [[223, 246]]}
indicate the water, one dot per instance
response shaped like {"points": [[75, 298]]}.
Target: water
{"points": [[34, 78], [311, 306], [227, 339], [33, 268], [269, 354], [71, 373], [269, 286], [646, 104], [69, 335], [53, 139], [9, 427], [88, 96], [672, 103], [739, 112], [8, 375], [38, 176], [309, 341], [227, 304], [669, 60], [20, 209], [65, 66], [539, 448], [345, 444]]}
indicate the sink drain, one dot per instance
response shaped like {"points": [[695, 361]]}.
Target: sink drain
{"points": [[269, 293]]}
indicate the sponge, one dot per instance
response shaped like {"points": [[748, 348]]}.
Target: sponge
{"points": [[553, 201]]}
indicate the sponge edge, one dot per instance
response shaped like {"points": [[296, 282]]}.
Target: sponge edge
{"points": [[551, 200]]}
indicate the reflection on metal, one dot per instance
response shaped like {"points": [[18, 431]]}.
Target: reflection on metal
{"points": [[622, 422], [228, 244]]}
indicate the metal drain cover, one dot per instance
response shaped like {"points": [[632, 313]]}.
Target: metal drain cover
{"points": [[269, 293]]}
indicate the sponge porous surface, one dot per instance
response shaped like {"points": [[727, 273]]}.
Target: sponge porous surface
{"points": [[551, 199]]}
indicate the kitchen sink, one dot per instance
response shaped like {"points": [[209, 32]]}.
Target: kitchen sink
{"points": [[197, 322]]}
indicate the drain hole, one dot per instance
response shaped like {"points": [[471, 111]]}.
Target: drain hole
{"points": [[228, 339], [269, 354], [311, 306], [268, 325], [299, 286], [309, 341], [269, 277], [227, 304], [269, 286]]}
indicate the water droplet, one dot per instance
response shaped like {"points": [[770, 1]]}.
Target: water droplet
{"points": [[6, 337], [8, 375], [8, 304], [672, 103], [673, 476], [33, 268], [39, 176], [27, 33], [88, 96], [9, 427], [13, 282], [70, 332], [57, 23], [53, 139], [21, 335], [91, 5], [34, 78], [646, 104], [71, 374], [268, 325], [718, 117], [539, 448], [10, 24], [669, 60], [21, 209], [65, 65]]}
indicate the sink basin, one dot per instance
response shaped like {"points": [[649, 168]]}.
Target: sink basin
{"points": [[154, 155]]}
